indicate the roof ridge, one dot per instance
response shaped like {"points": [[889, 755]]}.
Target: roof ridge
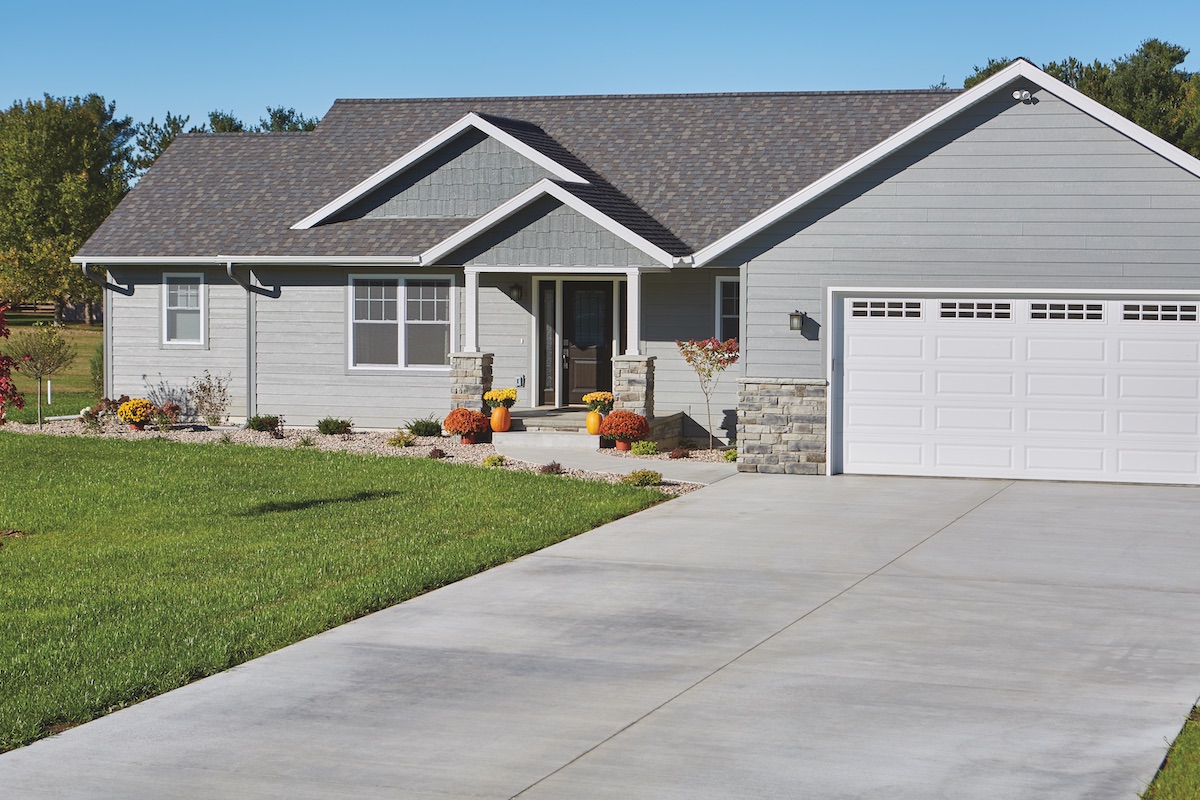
{"points": [[818, 93]]}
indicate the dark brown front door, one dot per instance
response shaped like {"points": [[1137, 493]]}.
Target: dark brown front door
{"points": [[587, 338]]}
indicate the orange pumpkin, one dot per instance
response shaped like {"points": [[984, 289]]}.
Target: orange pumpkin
{"points": [[594, 418], [501, 419]]}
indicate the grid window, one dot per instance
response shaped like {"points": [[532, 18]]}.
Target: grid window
{"points": [[183, 322], [729, 308], [881, 309], [383, 339], [1159, 312], [1065, 310], [976, 309]]}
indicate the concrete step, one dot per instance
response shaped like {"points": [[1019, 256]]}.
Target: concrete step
{"points": [[573, 440]]}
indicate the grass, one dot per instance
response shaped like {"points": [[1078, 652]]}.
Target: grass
{"points": [[1179, 777], [145, 565]]}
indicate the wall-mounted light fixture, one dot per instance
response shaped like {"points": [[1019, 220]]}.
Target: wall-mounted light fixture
{"points": [[516, 291], [1023, 96], [796, 320]]}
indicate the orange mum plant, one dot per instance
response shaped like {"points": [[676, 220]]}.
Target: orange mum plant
{"points": [[624, 426], [465, 422]]}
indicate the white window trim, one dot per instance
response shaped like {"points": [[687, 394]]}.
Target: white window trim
{"points": [[719, 288], [401, 320], [193, 343]]}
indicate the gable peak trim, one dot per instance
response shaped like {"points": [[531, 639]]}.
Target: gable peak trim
{"points": [[471, 121]]}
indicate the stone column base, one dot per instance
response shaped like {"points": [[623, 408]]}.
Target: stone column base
{"points": [[781, 425], [470, 377], [633, 384]]}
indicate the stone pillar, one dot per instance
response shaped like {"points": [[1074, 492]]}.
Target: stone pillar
{"points": [[633, 384], [470, 377], [781, 425]]}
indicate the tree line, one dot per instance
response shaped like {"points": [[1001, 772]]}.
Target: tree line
{"points": [[65, 162]]}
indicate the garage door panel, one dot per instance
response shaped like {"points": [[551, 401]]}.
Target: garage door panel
{"points": [[1085, 391]]}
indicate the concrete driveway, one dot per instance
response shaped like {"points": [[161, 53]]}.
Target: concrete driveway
{"points": [[765, 637]]}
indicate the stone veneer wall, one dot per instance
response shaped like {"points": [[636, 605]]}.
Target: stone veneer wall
{"points": [[470, 377], [633, 384], [781, 425]]}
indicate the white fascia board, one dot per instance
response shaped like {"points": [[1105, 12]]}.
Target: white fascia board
{"points": [[471, 120], [544, 188], [969, 98], [298, 261]]}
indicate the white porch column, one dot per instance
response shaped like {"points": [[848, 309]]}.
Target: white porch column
{"points": [[633, 314], [471, 311]]}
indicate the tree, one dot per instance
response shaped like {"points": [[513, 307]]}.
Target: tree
{"points": [[9, 396], [40, 353], [64, 166], [1148, 87], [284, 120], [709, 357], [223, 122], [152, 139]]}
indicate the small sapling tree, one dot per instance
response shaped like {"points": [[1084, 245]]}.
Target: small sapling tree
{"points": [[709, 357], [40, 353], [9, 396]]}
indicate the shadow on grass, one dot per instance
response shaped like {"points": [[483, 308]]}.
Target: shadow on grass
{"points": [[300, 505]]}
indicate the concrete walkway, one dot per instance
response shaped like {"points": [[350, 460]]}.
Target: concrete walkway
{"points": [[765, 637], [595, 461]]}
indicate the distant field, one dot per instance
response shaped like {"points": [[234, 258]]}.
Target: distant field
{"points": [[75, 379]]}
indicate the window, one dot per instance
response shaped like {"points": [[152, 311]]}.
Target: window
{"points": [[900, 309], [1159, 312], [1066, 311], [400, 322], [976, 309], [729, 308], [183, 320]]}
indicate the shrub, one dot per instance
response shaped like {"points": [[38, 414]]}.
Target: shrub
{"points": [[226, 438], [465, 422], [166, 415], [305, 441], [427, 426], [709, 357], [96, 370], [599, 401], [401, 439], [500, 397], [680, 452], [644, 449], [332, 426], [90, 417], [437, 452], [210, 396], [642, 477], [553, 468], [9, 396], [136, 411], [264, 423], [730, 454], [624, 425], [494, 460]]}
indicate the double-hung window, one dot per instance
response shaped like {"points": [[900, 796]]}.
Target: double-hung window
{"points": [[400, 322], [729, 308], [183, 309]]}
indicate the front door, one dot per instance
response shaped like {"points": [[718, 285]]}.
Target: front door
{"points": [[587, 338]]}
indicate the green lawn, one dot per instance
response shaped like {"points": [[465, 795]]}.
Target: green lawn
{"points": [[145, 565], [72, 386], [1179, 778]]}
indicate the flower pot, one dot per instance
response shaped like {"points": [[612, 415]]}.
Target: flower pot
{"points": [[594, 418], [137, 426], [623, 444], [501, 419], [468, 438]]}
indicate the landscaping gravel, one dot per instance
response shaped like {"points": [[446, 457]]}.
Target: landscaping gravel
{"points": [[361, 442]]}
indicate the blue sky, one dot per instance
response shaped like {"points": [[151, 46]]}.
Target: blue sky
{"points": [[241, 56]]}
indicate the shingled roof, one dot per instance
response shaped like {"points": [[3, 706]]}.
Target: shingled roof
{"points": [[681, 170]]}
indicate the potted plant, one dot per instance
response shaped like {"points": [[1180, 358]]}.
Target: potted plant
{"points": [[500, 400], [599, 404], [465, 422], [136, 413], [625, 427]]}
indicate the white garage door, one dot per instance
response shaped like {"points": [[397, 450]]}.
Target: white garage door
{"points": [[1081, 388]]}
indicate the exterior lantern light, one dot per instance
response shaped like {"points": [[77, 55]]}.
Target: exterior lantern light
{"points": [[516, 292], [796, 320]]}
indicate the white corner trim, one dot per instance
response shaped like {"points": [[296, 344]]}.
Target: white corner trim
{"points": [[470, 121], [544, 188], [898, 140]]}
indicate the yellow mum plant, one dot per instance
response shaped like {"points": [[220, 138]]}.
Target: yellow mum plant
{"points": [[599, 401], [136, 411], [500, 397]]}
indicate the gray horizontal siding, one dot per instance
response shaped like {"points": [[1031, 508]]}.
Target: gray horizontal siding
{"points": [[1009, 195], [142, 366], [549, 234], [466, 178], [505, 330]]}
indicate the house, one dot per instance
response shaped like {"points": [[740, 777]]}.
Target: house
{"points": [[999, 282]]}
